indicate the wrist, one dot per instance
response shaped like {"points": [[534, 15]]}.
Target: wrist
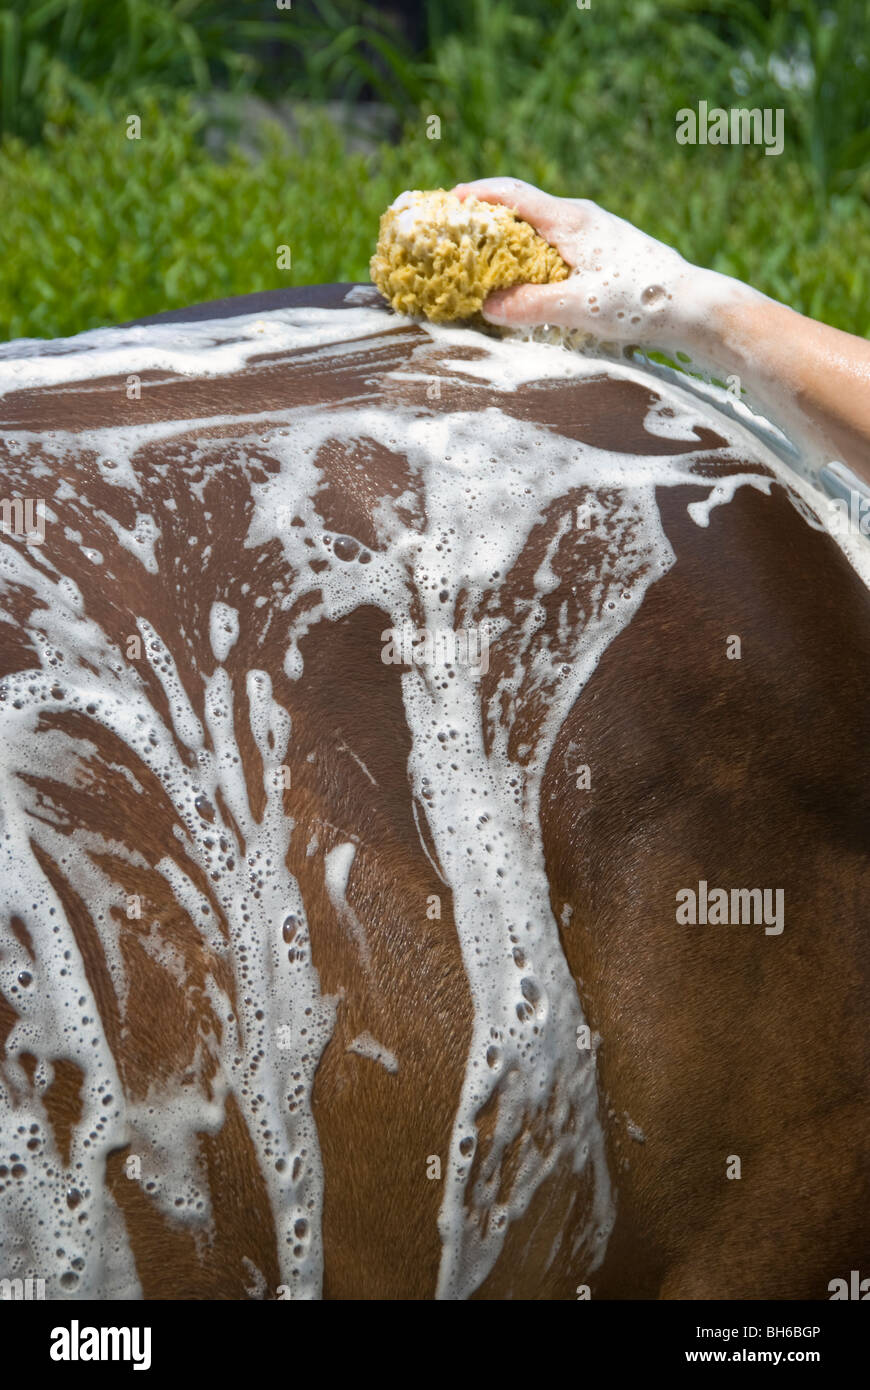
{"points": [[726, 323], [718, 318]]}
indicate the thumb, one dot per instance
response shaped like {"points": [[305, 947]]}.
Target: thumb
{"points": [[525, 305]]}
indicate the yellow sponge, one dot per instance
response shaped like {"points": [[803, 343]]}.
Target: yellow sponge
{"points": [[440, 256]]}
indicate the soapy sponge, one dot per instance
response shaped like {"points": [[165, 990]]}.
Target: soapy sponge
{"points": [[440, 256]]}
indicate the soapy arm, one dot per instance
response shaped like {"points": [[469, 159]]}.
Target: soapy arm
{"points": [[810, 379]]}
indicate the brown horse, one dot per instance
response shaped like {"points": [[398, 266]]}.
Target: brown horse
{"points": [[435, 819]]}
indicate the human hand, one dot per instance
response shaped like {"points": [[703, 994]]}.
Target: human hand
{"points": [[626, 286]]}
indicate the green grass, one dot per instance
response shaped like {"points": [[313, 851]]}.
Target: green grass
{"points": [[98, 228]]}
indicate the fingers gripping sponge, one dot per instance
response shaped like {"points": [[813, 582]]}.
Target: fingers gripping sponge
{"points": [[440, 257]]}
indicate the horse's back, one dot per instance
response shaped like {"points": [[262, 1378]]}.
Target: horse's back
{"points": [[337, 958]]}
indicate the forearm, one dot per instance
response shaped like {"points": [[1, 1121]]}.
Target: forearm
{"points": [[805, 375]]}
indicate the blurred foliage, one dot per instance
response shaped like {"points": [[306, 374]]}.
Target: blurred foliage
{"points": [[591, 81], [85, 51], [97, 228]]}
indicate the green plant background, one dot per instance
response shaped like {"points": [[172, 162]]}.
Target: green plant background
{"points": [[96, 228]]}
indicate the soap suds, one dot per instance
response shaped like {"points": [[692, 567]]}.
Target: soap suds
{"points": [[336, 869], [484, 481], [366, 1046]]}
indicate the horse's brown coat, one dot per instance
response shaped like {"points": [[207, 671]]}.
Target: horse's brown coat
{"points": [[715, 1040]]}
